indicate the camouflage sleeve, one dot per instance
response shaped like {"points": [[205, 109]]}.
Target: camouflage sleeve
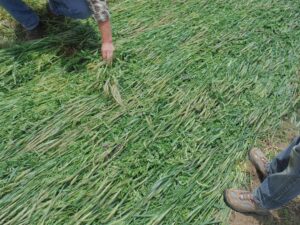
{"points": [[99, 9]]}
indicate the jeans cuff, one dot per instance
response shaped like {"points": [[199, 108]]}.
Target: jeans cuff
{"points": [[52, 8], [32, 27], [269, 171], [256, 199]]}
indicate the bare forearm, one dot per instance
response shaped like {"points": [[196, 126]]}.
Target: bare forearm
{"points": [[108, 48], [105, 30]]}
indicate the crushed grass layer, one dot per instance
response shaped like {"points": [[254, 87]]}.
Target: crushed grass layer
{"points": [[158, 136]]}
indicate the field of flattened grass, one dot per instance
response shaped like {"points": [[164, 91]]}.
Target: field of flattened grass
{"points": [[156, 137]]}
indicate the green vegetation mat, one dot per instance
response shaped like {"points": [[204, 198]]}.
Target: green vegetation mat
{"points": [[156, 137]]}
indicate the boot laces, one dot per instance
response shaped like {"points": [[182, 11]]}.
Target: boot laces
{"points": [[246, 196], [264, 160]]}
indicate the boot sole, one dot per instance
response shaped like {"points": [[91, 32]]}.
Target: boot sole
{"points": [[246, 213]]}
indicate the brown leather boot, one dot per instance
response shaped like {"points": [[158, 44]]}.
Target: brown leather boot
{"points": [[243, 202], [36, 33], [260, 161]]}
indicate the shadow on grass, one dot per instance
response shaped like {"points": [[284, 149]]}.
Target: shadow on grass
{"points": [[289, 215], [69, 42]]}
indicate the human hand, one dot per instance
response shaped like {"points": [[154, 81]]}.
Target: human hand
{"points": [[107, 51]]}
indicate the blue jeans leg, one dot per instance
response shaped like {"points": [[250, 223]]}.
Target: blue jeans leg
{"points": [[281, 161], [21, 12], [281, 187], [76, 9]]}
